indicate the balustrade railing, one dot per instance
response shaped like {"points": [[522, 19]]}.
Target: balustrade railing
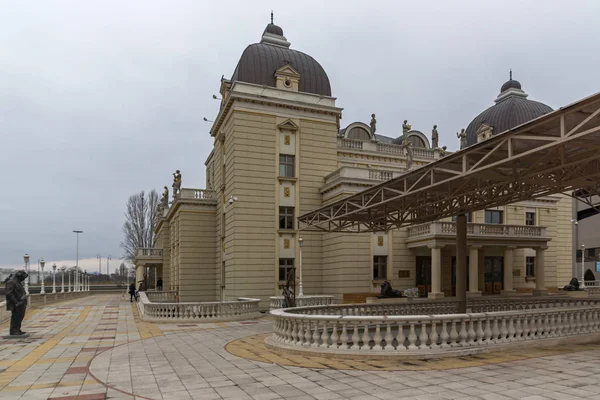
{"points": [[197, 194], [380, 175], [434, 333], [350, 144], [161, 296], [309, 300], [449, 228], [244, 308], [149, 252]]}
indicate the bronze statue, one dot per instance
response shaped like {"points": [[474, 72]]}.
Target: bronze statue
{"points": [[176, 183], [434, 138], [16, 301], [463, 138], [373, 125]]}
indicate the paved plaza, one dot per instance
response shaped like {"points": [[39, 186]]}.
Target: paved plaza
{"points": [[97, 348]]}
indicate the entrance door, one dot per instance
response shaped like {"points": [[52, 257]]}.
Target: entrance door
{"points": [[423, 275], [454, 275], [493, 275]]}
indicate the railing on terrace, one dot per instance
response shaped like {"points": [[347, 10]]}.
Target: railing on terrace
{"points": [[161, 296], [428, 335], [308, 300], [244, 308], [149, 252], [592, 283], [475, 229], [198, 194], [354, 144]]}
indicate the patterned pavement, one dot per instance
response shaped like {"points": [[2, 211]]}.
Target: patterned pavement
{"points": [[97, 348]]}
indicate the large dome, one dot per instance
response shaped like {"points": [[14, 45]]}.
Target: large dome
{"points": [[260, 61], [511, 109]]}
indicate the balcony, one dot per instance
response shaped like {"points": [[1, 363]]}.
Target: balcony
{"points": [[197, 194], [523, 236], [147, 255], [394, 149]]}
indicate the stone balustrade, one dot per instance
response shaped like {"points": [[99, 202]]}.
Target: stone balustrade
{"points": [[362, 145], [149, 252], [197, 194], [424, 336], [474, 229], [592, 283], [244, 308], [161, 296], [304, 301]]}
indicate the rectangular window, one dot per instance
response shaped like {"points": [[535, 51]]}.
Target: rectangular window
{"points": [[286, 217], [530, 267], [469, 217], [530, 218], [285, 266], [286, 165], [379, 267], [591, 253], [494, 216]]}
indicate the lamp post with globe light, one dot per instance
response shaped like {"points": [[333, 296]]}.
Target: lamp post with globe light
{"points": [[63, 279], [300, 286], [42, 263], [54, 278], [27, 281]]}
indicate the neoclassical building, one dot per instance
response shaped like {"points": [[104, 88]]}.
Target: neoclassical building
{"points": [[280, 151]]}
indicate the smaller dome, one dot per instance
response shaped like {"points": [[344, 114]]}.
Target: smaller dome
{"points": [[510, 84], [273, 29]]}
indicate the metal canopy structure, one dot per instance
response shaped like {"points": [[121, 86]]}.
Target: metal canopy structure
{"points": [[555, 153]]}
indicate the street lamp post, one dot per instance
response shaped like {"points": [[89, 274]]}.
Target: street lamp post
{"points": [[108, 267], [26, 258], [77, 255], [63, 279], [69, 287], [300, 286], [42, 263], [582, 286], [54, 278], [75, 279]]}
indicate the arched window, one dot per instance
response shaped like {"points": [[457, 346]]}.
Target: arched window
{"points": [[416, 141], [358, 133]]}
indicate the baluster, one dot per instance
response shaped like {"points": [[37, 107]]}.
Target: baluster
{"points": [[533, 326], [355, 338], [316, 336], [453, 335], [444, 335], [365, 338], [462, 334], [503, 330], [572, 328], [471, 335], [324, 335], [479, 334], [295, 333], [423, 336], [553, 325], [526, 329], [412, 337], [389, 339], [495, 331], [307, 333], [518, 328], [487, 332], [334, 336], [344, 336], [540, 325], [377, 338], [433, 336], [511, 328], [559, 323]]}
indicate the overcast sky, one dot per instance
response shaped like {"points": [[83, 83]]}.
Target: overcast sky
{"points": [[101, 99]]}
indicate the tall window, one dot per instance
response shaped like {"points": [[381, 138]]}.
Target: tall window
{"points": [[530, 267], [286, 217], [379, 267], [494, 216], [286, 166], [469, 217], [285, 266], [529, 218]]}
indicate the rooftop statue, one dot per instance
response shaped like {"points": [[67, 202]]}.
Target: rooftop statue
{"points": [[409, 153], [16, 301], [373, 125], [462, 135], [176, 184], [434, 138]]}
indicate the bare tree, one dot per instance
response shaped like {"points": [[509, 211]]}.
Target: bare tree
{"points": [[138, 228]]}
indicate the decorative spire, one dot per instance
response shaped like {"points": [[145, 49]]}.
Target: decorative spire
{"points": [[271, 16], [510, 76]]}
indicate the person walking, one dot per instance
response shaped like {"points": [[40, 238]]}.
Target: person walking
{"points": [[132, 292]]}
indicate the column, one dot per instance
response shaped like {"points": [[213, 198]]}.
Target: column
{"points": [[508, 269], [436, 272], [461, 263], [474, 272], [540, 265]]}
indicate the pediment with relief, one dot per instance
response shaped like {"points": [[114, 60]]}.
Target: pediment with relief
{"points": [[287, 70], [289, 125]]}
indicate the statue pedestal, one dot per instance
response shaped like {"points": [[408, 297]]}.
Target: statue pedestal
{"points": [[16, 336]]}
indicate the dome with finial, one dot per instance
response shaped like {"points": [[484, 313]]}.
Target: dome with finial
{"points": [[512, 109], [259, 61]]}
